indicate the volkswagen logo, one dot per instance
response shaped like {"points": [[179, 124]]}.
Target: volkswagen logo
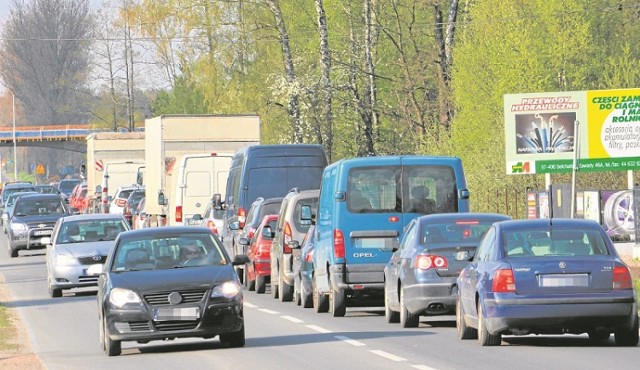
{"points": [[96, 258], [562, 265], [175, 298]]}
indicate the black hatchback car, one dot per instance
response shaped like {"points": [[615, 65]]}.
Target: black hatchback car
{"points": [[33, 219], [166, 283]]}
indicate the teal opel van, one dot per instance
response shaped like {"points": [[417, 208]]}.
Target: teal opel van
{"points": [[364, 206]]}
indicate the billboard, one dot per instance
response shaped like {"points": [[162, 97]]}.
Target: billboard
{"points": [[540, 136]]}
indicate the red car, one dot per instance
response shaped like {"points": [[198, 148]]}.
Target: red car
{"points": [[78, 198], [259, 251]]}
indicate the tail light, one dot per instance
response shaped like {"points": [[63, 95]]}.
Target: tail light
{"points": [[309, 257], [286, 233], [121, 202], [338, 243], [621, 278], [212, 226], [242, 217], [251, 232], [105, 191], [428, 261], [504, 281], [178, 213]]}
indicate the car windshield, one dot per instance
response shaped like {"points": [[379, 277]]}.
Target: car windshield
{"points": [[7, 192], [89, 230], [12, 198], [455, 232], [565, 242], [168, 252], [32, 207]]}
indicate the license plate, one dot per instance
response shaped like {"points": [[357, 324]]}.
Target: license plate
{"points": [[42, 232], [94, 270], [192, 222], [564, 280], [373, 243], [173, 314]]}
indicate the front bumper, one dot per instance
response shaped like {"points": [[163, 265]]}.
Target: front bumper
{"points": [[548, 315], [262, 267], [140, 325], [76, 276]]}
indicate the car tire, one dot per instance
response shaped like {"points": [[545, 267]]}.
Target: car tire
{"points": [[261, 284], [306, 298], [464, 331], [234, 340], [111, 347], [407, 319], [320, 301], [285, 291], [627, 337], [391, 316], [251, 284], [274, 284], [297, 299], [13, 252], [338, 303], [484, 337], [54, 293]]}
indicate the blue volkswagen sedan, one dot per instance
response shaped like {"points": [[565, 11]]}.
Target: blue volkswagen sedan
{"points": [[420, 277], [166, 283], [546, 276]]}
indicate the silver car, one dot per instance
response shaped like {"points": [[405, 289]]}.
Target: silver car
{"points": [[78, 249], [8, 208]]}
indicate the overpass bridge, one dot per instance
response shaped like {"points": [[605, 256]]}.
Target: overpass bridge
{"points": [[66, 137]]}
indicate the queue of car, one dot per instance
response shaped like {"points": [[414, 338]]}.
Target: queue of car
{"points": [[394, 231]]}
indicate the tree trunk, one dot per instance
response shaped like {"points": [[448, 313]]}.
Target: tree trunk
{"points": [[372, 123], [325, 80], [445, 60], [287, 59]]}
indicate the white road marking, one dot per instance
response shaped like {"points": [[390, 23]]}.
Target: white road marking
{"points": [[422, 367], [353, 342], [250, 305], [388, 355], [268, 311], [319, 329], [292, 319]]}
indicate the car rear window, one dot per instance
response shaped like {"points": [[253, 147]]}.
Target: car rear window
{"points": [[463, 231], [565, 242]]}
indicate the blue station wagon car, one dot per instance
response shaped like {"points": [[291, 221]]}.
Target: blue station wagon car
{"points": [[364, 205], [547, 277]]}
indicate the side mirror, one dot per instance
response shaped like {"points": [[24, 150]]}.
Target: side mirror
{"points": [[266, 231], [240, 259], [294, 244], [197, 217], [162, 201], [235, 225], [243, 241], [139, 178]]}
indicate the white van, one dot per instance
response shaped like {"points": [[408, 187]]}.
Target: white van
{"points": [[199, 177], [116, 175]]}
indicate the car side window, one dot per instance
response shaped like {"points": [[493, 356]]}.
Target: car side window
{"points": [[484, 252], [408, 240]]}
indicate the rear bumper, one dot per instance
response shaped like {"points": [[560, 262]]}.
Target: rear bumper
{"points": [[559, 316], [262, 267], [357, 277], [437, 298]]}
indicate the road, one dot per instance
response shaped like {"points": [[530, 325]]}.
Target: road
{"points": [[64, 333]]}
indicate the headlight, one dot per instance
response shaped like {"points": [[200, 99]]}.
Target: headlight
{"points": [[228, 289], [17, 226], [120, 297], [64, 260]]}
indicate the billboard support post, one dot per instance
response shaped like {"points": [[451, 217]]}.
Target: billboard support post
{"points": [[576, 151]]}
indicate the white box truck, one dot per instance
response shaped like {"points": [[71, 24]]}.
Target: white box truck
{"points": [[115, 175], [105, 147], [199, 177], [169, 138]]}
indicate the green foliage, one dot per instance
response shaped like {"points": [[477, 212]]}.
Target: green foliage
{"points": [[184, 98]]}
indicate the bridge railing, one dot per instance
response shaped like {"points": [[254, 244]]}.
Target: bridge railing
{"points": [[52, 132]]}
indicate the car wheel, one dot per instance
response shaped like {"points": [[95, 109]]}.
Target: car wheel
{"points": [[627, 337], [464, 331], [53, 292], [391, 316], [111, 347], [251, 284], [338, 303], [599, 336], [320, 301], [484, 337], [234, 340], [285, 290], [407, 319], [306, 297], [14, 252], [261, 284], [274, 284], [297, 299]]}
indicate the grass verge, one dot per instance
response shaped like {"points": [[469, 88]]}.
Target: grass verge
{"points": [[7, 330]]}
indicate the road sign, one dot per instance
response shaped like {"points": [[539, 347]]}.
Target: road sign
{"points": [[40, 169], [99, 165]]}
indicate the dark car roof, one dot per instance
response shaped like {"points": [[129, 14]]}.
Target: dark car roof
{"points": [[37, 196], [158, 232]]}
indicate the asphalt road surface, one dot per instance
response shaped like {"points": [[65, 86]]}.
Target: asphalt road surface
{"points": [[64, 333]]}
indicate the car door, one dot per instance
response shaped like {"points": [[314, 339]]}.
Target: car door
{"points": [[471, 276], [400, 261]]}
